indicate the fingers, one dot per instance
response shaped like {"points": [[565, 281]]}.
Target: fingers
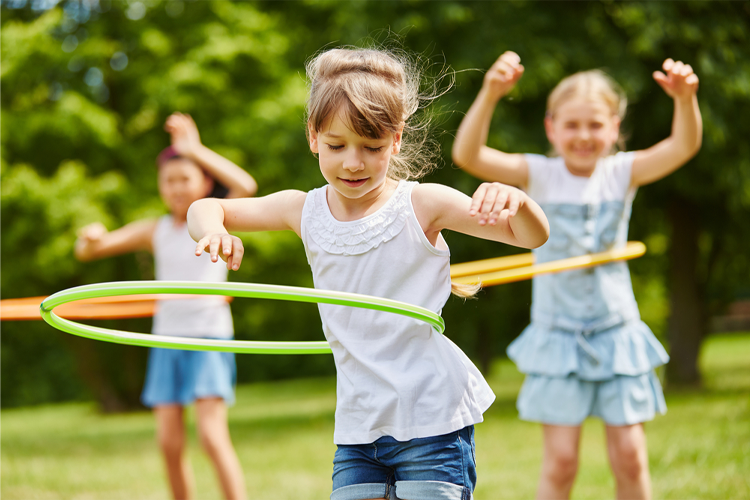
{"points": [[678, 79], [494, 201], [224, 246]]}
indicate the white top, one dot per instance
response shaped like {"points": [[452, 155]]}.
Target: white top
{"points": [[397, 376], [175, 260], [551, 182]]}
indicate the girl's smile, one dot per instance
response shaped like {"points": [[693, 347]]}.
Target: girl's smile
{"points": [[582, 131]]}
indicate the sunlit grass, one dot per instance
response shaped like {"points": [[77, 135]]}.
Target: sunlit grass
{"points": [[283, 435]]}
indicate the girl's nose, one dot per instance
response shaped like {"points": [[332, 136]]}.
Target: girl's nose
{"points": [[353, 162]]}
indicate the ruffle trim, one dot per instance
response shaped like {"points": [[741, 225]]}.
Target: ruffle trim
{"points": [[628, 349], [355, 238]]}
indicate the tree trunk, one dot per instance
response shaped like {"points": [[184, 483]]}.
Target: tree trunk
{"points": [[688, 318]]}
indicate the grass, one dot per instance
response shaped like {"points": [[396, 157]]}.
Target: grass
{"points": [[283, 431]]}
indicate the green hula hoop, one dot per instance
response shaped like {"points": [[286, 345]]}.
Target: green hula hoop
{"points": [[251, 290]]}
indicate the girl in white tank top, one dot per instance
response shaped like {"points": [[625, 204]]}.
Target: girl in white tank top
{"points": [[174, 379], [401, 385]]}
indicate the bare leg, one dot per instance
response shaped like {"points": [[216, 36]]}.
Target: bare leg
{"points": [[628, 457], [214, 437], [170, 432], [560, 462]]}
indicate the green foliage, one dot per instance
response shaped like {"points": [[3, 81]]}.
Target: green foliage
{"points": [[87, 87]]}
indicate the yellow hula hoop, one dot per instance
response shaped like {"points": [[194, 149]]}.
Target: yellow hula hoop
{"points": [[503, 270]]}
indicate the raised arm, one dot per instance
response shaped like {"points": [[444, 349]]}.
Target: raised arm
{"points": [[470, 150], [663, 158], [498, 212], [186, 141], [211, 219], [95, 242]]}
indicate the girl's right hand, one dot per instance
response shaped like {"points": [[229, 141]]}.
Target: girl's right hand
{"points": [[503, 75], [222, 245], [92, 232]]}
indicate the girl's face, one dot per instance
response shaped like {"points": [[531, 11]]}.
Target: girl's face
{"points": [[582, 131], [356, 167], [181, 182]]}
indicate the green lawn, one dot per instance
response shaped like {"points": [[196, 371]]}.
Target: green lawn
{"points": [[283, 431]]}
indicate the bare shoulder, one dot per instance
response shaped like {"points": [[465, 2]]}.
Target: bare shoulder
{"points": [[433, 202]]}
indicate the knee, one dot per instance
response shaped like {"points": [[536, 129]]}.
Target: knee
{"points": [[628, 462], [211, 439], [172, 444], [562, 466]]}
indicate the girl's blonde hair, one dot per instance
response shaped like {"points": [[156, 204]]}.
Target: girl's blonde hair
{"points": [[378, 90], [594, 85]]}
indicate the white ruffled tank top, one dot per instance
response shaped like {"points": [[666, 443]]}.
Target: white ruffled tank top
{"points": [[397, 376], [175, 260]]}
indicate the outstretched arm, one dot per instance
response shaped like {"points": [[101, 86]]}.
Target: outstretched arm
{"points": [[95, 242], [663, 158], [211, 219], [496, 212], [186, 141], [470, 150]]}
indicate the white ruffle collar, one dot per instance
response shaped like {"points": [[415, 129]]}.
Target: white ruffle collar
{"points": [[359, 236]]}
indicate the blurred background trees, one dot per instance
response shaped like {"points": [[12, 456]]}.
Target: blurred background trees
{"points": [[87, 85]]}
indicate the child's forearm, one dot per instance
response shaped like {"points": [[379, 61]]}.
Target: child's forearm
{"points": [[474, 129], [233, 177], [687, 126], [530, 226]]}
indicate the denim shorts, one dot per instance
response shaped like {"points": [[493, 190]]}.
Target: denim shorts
{"points": [[432, 468], [180, 377]]}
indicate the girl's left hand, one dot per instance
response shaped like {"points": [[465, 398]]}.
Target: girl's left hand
{"points": [[492, 198], [222, 246], [679, 82], [183, 132]]}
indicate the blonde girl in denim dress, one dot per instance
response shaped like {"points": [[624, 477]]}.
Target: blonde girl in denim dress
{"points": [[407, 397], [586, 351]]}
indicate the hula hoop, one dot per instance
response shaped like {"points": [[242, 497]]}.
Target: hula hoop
{"points": [[632, 250], [123, 307], [291, 293]]}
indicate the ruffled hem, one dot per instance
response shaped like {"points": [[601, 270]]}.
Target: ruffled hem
{"points": [[628, 349], [355, 238]]}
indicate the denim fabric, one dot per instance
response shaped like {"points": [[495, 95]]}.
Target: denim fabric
{"points": [[585, 329], [433, 468], [180, 377], [622, 400]]}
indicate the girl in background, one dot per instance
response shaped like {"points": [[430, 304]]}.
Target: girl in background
{"points": [[188, 171], [586, 351], [407, 397]]}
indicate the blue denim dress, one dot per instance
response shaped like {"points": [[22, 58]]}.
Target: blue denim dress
{"points": [[586, 351]]}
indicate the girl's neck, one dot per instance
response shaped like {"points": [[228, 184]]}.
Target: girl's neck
{"points": [[580, 172], [346, 209], [178, 220]]}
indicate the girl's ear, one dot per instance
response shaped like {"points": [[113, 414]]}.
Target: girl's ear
{"points": [[549, 128], [615, 128], [397, 139], [312, 135], [208, 186]]}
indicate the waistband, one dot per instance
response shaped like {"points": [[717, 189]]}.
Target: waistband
{"points": [[582, 330]]}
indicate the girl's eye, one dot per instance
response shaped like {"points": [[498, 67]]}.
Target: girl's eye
{"points": [[596, 126], [374, 150], [334, 148]]}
